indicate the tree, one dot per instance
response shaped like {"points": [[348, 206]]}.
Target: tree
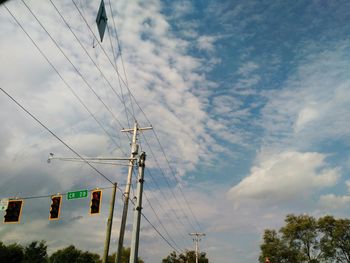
{"points": [[72, 255], [188, 257], [306, 239], [35, 253], [124, 258], [12, 253], [336, 238], [301, 233], [276, 249]]}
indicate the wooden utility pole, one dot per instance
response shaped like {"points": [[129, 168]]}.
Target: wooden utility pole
{"points": [[134, 153], [137, 212]]}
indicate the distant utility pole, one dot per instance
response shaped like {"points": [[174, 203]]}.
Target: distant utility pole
{"points": [[134, 153], [196, 239]]}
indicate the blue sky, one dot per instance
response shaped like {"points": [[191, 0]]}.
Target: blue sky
{"points": [[249, 99]]}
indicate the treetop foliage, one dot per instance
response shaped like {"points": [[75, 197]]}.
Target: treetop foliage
{"points": [[36, 252], [307, 239], [187, 257]]}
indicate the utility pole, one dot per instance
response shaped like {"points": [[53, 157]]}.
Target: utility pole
{"points": [[100, 160], [134, 152], [137, 213], [196, 239], [109, 226]]}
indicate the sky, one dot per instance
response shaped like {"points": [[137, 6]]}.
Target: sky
{"points": [[249, 101]]}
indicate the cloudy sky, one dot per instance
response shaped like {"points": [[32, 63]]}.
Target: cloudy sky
{"points": [[249, 100]]}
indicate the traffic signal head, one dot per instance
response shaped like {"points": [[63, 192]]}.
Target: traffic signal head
{"points": [[55, 207], [96, 197], [13, 211]]}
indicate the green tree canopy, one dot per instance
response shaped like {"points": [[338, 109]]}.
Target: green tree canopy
{"points": [[72, 255], [304, 239], [124, 258], [12, 253], [188, 257], [35, 252]]}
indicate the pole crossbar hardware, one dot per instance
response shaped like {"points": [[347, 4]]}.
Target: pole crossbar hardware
{"points": [[196, 239], [133, 155], [137, 213], [76, 159]]}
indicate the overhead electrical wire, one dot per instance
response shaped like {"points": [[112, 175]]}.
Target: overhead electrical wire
{"points": [[49, 195], [173, 222], [53, 134], [156, 136], [84, 79], [80, 156], [160, 222], [91, 59], [130, 93], [73, 93], [121, 57], [165, 197], [108, 58], [72, 64], [121, 89], [167, 181], [83, 46], [61, 77]]}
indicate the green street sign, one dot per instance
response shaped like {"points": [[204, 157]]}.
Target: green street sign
{"points": [[77, 194]]}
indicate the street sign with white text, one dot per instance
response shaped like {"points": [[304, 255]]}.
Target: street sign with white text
{"points": [[77, 194]]}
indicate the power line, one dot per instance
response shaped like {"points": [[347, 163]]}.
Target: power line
{"points": [[72, 64], [167, 181], [174, 224], [159, 233], [83, 78], [121, 57], [162, 149], [49, 195], [108, 58], [121, 89], [53, 134], [61, 77], [160, 222], [76, 153], [95, 64], [157, 138], [164, 196], [173, 173]]}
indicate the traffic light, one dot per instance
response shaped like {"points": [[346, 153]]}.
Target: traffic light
{"points": [[96, 197], [13, 211], [55, 207]]}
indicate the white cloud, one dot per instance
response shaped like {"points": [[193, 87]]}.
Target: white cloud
{"points": [[334, 202], [206, 43], [312, 106], [247, 68], [284, 177], [305, 116]]}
